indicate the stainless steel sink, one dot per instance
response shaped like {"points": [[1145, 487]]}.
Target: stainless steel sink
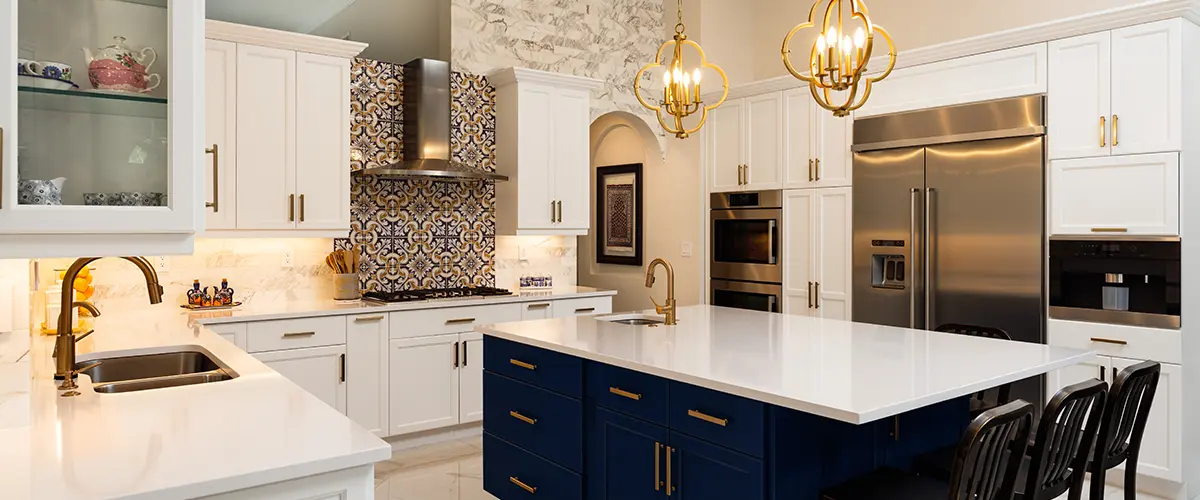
{"points": [[633, 319], [152, 371]]}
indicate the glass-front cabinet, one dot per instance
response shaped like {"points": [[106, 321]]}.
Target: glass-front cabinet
{"points": [[102, 118]]}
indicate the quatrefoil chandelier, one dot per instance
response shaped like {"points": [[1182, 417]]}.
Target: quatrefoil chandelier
{"points": [[681, 86], [838, 60]]}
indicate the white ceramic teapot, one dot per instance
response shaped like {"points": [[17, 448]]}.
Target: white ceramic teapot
{"points": [[117, 67]]}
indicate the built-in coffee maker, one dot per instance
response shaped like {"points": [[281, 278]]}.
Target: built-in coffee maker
{"points": [[1125, 281]]}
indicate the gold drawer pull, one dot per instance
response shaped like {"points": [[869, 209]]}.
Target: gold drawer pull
{"points": [[523, 364], [708, 418], [582, 310], [1110, 230], [627, 394], [523, 486], [1109, 341], [295, 335], [539, 306], [364, 319], [523, 418], [460, 321]]}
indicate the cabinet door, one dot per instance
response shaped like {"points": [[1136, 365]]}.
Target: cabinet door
{"points": [[235, 333], [832, 151], [537, 310], [832, 264], [723, 153], [1162, 445], [220, 127], [798, 145], [764, 141], [1147, 110], [322, 144], [1118, 194], [704, 471], [1099, 368], [1077, 106], [799, 250], [470, 378], [535, 157], [318, 370], [571, 144], [423, 379], [266, 130], [626, 458], [367, 372]]}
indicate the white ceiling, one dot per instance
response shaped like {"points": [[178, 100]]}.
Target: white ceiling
{"points": [[397, 30]]}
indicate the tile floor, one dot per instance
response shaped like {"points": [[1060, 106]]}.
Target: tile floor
{"points": [[454, 471]]}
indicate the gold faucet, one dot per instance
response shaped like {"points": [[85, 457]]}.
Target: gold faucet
{"points": [[669, 308], [64, 345]]}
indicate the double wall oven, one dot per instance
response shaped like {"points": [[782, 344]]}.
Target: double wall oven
{"points": [[746, 267]]}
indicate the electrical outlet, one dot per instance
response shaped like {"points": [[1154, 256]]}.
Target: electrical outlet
{"points": [[287, 259], [685, 249], [162, 264]]}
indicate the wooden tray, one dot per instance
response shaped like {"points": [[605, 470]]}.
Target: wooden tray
{"points": [[209, 308]]}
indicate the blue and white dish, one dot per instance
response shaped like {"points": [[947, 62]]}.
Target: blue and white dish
{"points": [[42, 82], [40, 192]]}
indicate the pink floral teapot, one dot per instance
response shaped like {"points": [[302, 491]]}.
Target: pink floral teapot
{"points": [[117, 67]]}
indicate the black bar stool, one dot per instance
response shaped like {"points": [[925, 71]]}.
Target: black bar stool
{"points": [[1057, 461], [1123, 425], [989, 398], [984, 468]]}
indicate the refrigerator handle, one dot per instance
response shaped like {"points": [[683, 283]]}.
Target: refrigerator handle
{"points": [[928, 251], [771, 229], [912, 255]]}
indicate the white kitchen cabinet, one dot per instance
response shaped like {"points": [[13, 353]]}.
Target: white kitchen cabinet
{"points": [[1100, 101], [723, 146], [289, 159], [101, 144], [566, 308], [319, 370], [1118, 194], [537, 310], [470, 378], [816, 150], [745, 144], [235, 333], [423, 383], [817, 252], [367, 367], [763, 142], [220, 134], [542, 143]]}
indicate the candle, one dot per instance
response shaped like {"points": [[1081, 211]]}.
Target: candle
{"points": [[696, 78]]}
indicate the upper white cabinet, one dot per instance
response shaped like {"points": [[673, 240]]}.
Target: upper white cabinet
{"points": [[105, 168], [817, 252], [763, 150], [1100, 100], [1115, 195], [723, 139], [543, 146], [282, 132], [817, 144]]}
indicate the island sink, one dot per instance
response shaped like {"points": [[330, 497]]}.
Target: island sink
{"points": [[633, 319], [152, 371]]}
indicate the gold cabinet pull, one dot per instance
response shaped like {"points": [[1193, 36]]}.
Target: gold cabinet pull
{"points": [[560, 211], [460, 321], [817, 170], [1103, 131], [816, 295], [523, 418], [810, 170], [746, 175], [215, 205], [810, 295], [1109, 341], [707, 418], [364, 319], [657, 465], [522, 364], [581, 310], [301, 208], [291, 208], [543, 305], [1110, 230], [626, 394], [1115, 128], [296, 335], [669, 485], [532, 490]]}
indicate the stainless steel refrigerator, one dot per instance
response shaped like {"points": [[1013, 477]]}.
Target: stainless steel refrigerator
{"points": [[949, 220]]}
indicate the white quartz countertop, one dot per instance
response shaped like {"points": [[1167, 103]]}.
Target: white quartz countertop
{"points": [[853, 372]]}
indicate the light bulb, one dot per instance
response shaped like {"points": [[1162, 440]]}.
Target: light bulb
{"points": [[678, 75], [666, 77], [696, 76], [687, 80], [846, 45], [821, 43], [860, 38], [831, 38]]}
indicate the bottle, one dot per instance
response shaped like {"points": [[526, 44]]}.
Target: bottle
{"points": [[225, 296], [194, 296]]}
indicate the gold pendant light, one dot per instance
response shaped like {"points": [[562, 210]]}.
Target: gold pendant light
{"points": [[839, 55], [681, 87]]}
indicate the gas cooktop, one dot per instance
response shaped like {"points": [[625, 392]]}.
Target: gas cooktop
{"points": [[435, 293]]}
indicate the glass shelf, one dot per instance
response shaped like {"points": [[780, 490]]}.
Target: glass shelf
{"points": [[83, 101]]}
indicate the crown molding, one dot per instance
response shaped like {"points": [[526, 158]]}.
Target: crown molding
{"points": [[509, 76], [264, 37]]}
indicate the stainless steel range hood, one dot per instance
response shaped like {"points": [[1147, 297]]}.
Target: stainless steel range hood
{"points": [[427, 129]]}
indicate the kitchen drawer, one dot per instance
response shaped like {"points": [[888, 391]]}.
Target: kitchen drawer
{"points": [[1158, 344], [546, 369], [425, 322], [730, 421], [633, 393], [264, 336], [546, 423], [506, 465], [578, 307]]}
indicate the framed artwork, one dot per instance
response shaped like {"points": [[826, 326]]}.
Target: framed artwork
{"points": [[619, 214]]}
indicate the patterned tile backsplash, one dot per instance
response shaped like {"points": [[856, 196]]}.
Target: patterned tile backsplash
{"points": [[420, 233]]}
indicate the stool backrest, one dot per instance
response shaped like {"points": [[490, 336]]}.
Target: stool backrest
{"points": [[1002, 392], [1062, 446], [989, 454], [1126, 413]]}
